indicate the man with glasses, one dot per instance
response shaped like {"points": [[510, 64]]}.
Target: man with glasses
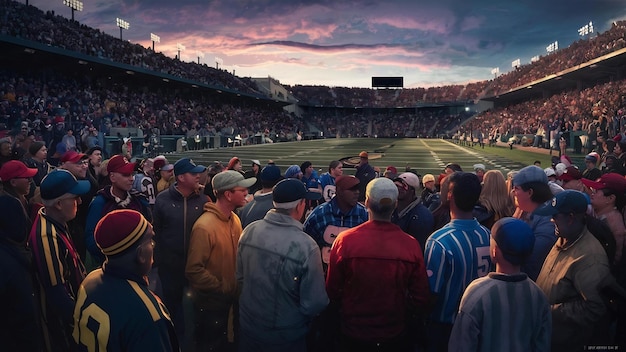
{"points": [[211, 261], [109, 198], [78, 164], [116, 296], [58, 266], [176, 209]]}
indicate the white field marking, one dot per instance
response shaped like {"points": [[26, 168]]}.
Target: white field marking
{"points": [[434, 155], [302, 152], [479, 156]]}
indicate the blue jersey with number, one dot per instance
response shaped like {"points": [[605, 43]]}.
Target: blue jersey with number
{"points": [[116, 312], [455, 255]]}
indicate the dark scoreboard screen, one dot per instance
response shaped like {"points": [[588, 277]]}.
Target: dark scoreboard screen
{"points": [[387, 82]]}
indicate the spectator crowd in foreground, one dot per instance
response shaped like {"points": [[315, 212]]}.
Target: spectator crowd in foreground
{"points": [[223, 259]]}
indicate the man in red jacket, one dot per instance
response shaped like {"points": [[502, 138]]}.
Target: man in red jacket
{"points": [[377, 277]]}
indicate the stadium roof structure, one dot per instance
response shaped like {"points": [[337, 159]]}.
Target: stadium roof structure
{"points": [[600, 70], [25, 54]]}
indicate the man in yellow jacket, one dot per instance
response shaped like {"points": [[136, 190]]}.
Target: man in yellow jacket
{"points": [[211, 260]]}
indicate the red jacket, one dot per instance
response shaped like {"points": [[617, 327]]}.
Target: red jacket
{"points": [[377, 275]]}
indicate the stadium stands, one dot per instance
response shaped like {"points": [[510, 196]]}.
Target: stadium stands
{"points": [[36, 95]]}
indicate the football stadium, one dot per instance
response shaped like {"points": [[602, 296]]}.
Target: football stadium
{"points": [[155, 204]]}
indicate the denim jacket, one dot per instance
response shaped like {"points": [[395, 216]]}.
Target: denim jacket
{"points": [[279, 272]]}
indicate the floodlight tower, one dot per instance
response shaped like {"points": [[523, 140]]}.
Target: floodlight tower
{"points": [[495, 71], [75, 5], [516, 63], [155, 39], [586, 29], [552, 47], [218, 61], [122, 24], [200, 55], [180, 48]]}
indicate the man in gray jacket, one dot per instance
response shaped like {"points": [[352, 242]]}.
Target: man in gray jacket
{"points": [[280, 275]]}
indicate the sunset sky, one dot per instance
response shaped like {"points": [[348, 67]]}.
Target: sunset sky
{"points": [[345, 43]]}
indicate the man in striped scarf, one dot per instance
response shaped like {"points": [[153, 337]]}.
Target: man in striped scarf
{"points": [[58, 266]]}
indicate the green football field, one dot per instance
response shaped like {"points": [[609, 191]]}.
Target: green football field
{"points": [[422, 155]]}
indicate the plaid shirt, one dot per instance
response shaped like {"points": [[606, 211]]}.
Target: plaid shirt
{"points": [[329, 214]]}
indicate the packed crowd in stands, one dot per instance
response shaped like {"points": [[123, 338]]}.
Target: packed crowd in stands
{"points": [[397, 123], [595, 110], [30, 23], [38, 99], [381, 98], [575, 54]]}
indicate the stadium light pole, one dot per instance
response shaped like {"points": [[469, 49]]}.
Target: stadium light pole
{"points": [[586, 29], [516, 63], [75, 5], [495, 71], [122, 24], [180, 48], [200, 55], [218, 61], [155, 39], [552, 47]]}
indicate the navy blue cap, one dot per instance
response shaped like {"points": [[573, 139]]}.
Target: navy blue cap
{"points": [[514, 238], [271, 172], [566, 202], [290, 190], [186, 165], [60, 182]]}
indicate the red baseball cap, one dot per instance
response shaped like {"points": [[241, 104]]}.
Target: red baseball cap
{"points": [[73, 157], [346, 182], [571, 173], [15, 169], [611, 181], [118, 163]]}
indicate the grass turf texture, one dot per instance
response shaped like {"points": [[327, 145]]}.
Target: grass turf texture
{"points": [[421, 155]]}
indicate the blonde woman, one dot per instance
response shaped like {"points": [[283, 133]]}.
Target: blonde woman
{"points": [[495, 198]]}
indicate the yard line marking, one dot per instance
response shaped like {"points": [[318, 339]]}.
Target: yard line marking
{"points": [[433, 154], [479, 156]]}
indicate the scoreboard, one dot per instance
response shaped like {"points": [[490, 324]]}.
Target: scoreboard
{"points": [[387, 82]]}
